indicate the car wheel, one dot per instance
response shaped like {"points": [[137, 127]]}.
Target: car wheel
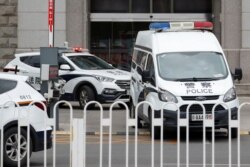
{"points": [[132, 115], [157, 130], [85, 95], [11, 147]]}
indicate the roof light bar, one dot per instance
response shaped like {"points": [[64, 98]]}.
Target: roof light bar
{"points": [[159, 26], [168, 26]]}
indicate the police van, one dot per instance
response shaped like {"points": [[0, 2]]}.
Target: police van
{"points": [[88, 78], [183, 63]]}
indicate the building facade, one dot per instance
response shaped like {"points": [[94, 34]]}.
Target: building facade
{"points": [[108, 28]]}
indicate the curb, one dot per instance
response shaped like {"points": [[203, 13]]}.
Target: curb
{"points": [[66, 133]]}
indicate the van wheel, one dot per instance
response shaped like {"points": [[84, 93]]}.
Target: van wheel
{"points": [[11, 147], [85, 95], [157, 129], [132, 115], [234, 133]]}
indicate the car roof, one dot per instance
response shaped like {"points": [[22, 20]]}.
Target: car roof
{"points": [[64, 53], [13, 77], [27, 54]]}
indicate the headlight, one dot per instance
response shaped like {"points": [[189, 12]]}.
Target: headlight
{"points": [[167, 96], [230, 95], [104, 79]]}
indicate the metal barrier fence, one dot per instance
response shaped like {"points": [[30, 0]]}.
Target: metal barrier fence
{"points": [[78, 131]]}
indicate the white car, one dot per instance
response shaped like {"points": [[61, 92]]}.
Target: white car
{"points": [[87, 77], [14, 88]]}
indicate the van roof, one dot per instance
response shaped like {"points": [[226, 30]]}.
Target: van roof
{"points": [[178, 41]]}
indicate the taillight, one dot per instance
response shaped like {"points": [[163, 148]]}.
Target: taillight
{"points": [[39, 105]]}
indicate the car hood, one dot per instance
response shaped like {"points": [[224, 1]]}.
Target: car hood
{"points": [[111, 73]]}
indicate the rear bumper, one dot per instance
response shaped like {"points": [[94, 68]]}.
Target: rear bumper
{"points": [[38, 144]]}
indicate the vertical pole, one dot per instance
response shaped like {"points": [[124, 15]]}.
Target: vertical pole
{"points": [[51, 18]]}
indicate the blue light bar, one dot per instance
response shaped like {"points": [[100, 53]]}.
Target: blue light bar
{"points": [[159, 26]]}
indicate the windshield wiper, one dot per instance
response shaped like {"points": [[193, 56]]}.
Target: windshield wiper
{"points": [[194, 79]]}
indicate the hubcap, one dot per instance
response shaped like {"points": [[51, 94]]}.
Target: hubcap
{"points": [[83, 97], [11, 147]]}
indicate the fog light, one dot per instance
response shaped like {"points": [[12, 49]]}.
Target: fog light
{"points": [[109, 91]]}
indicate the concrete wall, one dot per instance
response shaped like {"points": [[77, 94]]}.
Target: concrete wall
{"points": [[8, 30], [245, 43], [33, 23], [77, 23]]}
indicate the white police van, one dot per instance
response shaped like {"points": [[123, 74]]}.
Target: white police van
{"points": [[182, 62], [87, 76]]}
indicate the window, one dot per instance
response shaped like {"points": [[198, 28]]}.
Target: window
{"points": [[150, 65], [141, 59], [194, 66], [33, 61], [192, 6], [110, 6], [7, 85], [141, 6], [151, 69], [90, 62], [161, 6]]}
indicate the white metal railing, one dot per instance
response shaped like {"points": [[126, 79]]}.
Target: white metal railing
{"points": [[78, 131]]}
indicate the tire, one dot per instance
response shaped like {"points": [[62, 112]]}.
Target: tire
{"points": [[122, 106], [132, 115], [234, 133], [157, 130], [85, 95], [10, 147]]}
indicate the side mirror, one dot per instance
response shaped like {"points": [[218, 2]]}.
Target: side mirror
{"points": [[146, 76], [65, 67], [238, 74]]}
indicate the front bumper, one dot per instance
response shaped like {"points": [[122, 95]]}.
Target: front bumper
{"points": [[109, 98], [221, 118]]}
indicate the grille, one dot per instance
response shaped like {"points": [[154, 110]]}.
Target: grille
{"points": [[191, 98], [123, 84], [198, 109]]}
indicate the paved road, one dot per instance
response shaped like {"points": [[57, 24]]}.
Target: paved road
{"points": [[144, 152], [119, 116]]}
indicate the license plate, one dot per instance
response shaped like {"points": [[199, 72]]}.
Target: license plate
{"points": [[199, 117]]}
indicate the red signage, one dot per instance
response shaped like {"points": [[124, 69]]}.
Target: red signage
{"points": [[51, 15]]}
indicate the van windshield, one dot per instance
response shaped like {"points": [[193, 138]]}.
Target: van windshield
{"points": [[192, 66]]}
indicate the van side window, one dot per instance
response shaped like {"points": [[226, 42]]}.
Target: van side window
{"points": [[141, 61], [150, 68], [134, 57]]}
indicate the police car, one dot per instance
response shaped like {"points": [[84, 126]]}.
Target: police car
{"points": [[15, 89], [87, 77], [182, 63]]}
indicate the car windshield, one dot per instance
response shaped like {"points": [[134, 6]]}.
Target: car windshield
{"points": [[192, 66], [90, 62]]}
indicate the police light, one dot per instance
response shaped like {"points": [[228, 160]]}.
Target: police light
{"points": [[171, 26], [79, 49], [159, 26]]}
